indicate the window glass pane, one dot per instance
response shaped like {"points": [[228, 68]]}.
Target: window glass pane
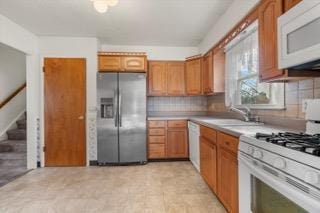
{"points": [[266, 199], [248, 56], [252, 92]]}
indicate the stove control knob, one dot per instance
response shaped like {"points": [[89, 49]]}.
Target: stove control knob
{"points": [[257, 154], [279, 163], [311, 177], [250, 150]]}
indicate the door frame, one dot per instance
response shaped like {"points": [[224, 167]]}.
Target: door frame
{"points": [[42, 109]]}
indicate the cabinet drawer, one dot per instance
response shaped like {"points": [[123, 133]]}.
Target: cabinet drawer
{"points": [[157, 139], [157, 151], [228, 142], [156, 124], [157, 131], [177, 124], [208, 133]]}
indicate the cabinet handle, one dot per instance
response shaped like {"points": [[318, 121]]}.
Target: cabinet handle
{"points": [[227, 143]]}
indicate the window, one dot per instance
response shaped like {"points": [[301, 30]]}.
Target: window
{"points": [[242, 74]]}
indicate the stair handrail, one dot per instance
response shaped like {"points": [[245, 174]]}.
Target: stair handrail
{"points": [[12, 95]]}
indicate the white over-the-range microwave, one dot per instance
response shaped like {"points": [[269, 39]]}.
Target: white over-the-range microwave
{"points": [[299, 37]]}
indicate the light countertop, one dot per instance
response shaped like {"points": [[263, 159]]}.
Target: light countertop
{"points": [[229, 126]]}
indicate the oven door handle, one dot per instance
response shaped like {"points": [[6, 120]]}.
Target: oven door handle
{"points": [[307, 202]]}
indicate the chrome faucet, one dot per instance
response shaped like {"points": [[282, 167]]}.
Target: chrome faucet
{"points": [[245, 114]]}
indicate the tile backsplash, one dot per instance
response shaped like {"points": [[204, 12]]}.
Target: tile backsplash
{"points": [[177, 104], [295, 92]]}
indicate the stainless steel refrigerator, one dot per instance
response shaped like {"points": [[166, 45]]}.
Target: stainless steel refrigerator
{"points": [[121, 119]]}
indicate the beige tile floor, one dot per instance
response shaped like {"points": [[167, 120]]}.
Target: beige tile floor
{"points": [[155, 187]]}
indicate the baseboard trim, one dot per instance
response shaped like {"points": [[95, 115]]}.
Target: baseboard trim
{"points": [[12, 125], [168, 160], [93, 163]]}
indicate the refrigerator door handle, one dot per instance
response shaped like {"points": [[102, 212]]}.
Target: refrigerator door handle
{"points": [[115, 111], [120, 105]]}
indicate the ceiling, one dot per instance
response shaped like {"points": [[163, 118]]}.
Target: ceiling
{"points": [[131, 22]]}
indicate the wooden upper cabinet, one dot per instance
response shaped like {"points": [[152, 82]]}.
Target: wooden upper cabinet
{"points": [[288, 4], [194, 77], [207, 75], [219, 70], [177, 143], [176, 78], [157, 77], [109, 63], [268, 13], [120, 62], [134, 63]]}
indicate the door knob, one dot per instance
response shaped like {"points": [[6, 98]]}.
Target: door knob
{"points": [[81, 117]]}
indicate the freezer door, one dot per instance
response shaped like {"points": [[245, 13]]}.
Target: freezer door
{"points": [[107, 120], [132, 117]]}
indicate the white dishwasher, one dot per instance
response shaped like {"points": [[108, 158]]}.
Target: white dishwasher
{"points": [[194, 133]]}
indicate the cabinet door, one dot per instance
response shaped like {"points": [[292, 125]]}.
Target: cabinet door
{"points": [[228, 179], [208, 163], [157, 77], [288, 4], [207, 76], [134, 63], [193, 77], [109, 63], [219, 71], [176, 78], [177, 143], [269, 11]]}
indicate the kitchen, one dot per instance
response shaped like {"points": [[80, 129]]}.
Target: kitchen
{"points": [[216, 128]]}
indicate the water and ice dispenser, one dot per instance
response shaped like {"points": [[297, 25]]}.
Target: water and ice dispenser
{"points": [[107, 107]]}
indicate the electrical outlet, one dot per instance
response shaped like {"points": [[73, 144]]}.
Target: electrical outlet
{"points": [[304, 104]]}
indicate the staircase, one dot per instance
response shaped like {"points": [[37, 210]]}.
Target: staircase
{"points": [[13, 153]]}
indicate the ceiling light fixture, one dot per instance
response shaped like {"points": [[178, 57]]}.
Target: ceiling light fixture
{"points": [[101, 6]]}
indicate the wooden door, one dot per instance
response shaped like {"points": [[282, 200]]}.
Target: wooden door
{"points": [[157, 76], [176, 78], [288, 4], [134, 63], [208, 74], [228, 179], [177, 143], [64, 109], [219, 71], [193, 77], [208, 162], [109, 63], [269, 11]]}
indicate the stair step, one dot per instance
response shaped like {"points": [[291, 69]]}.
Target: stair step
{"points": [[18, 146], [17, 134], [22, 124]]}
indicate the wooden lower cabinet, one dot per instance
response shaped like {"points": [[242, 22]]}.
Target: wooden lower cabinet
{"points": [[177, 143], [228, 179], [168, 139], [208, 162], [219, 165]]}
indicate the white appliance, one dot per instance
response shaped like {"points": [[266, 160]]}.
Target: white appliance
{"points": [[299, 37], [194, 133], [313, 116], [280, 172]]}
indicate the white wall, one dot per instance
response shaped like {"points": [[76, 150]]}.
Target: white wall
{"points": [[12, 76], [154, 52], [237, 10], [76, 47], [21, 39]]}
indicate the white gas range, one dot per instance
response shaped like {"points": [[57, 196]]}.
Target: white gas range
{"points": [[281, 172]]}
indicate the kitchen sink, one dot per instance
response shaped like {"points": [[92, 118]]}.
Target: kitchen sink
{"points": [[231, 122]]}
